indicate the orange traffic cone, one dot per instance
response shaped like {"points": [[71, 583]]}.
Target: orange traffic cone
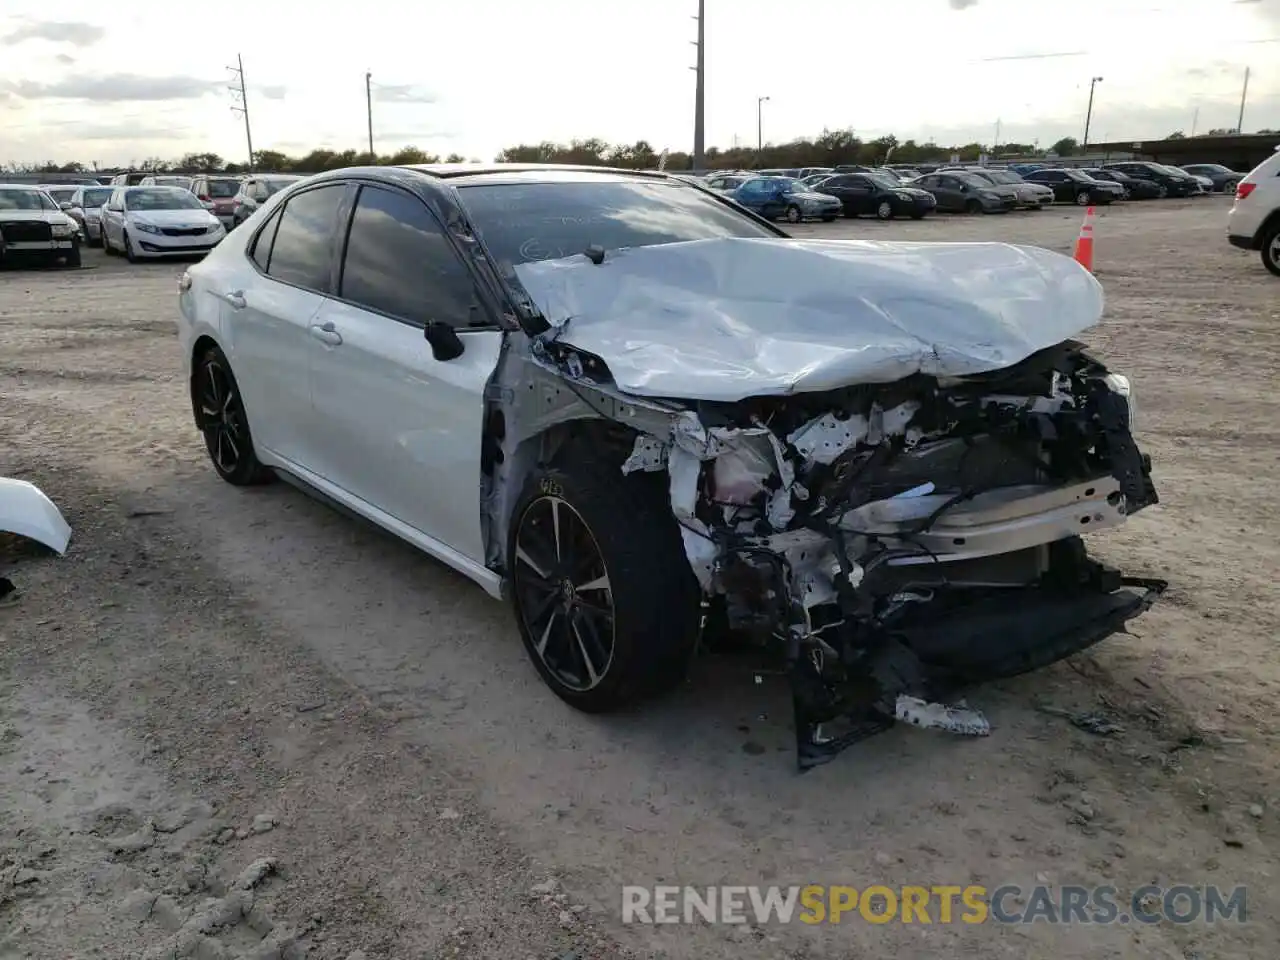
{"points": [[1084, 242]]}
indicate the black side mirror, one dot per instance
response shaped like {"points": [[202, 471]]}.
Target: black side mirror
{"points": [[445, 343]]}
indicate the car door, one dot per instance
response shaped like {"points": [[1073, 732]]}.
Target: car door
{"points": [[840, 188], [403, 428], [949, 193], [752, 195], [268, 319], [113, 219]]}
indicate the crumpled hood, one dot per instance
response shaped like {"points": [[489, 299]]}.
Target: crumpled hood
{"points": [[733, 318]]}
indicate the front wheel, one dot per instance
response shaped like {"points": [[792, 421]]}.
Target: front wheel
{"points": [[221, 418], [884, 210], [1271, 250], [1083, 198], [604, 598], [73, 257], [973, 206], [1162, 191], [1230, 186], [793, 214]]}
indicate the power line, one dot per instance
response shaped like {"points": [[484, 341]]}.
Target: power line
{"points": [[1036, 56]]}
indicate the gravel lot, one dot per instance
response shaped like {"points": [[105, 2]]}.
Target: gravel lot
{"points": [[214, 676]]}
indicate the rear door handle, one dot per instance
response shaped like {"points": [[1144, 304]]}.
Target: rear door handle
{"points": [[236, 299], [326, 333]]}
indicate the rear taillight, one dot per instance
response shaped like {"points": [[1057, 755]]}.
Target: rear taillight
{"points": [[203, 197], [1244, 189]]}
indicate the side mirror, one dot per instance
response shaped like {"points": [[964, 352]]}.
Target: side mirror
{"points": [[445, 343]]}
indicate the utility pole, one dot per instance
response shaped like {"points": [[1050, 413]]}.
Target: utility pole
{"points": [[368, 105], [242, 105], [1084, 147], [699, 93], [1195, 121], [1243, 96], [760, 123], [995, 147]]}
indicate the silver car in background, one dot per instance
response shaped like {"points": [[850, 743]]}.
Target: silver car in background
{"points": [[86, 211]]}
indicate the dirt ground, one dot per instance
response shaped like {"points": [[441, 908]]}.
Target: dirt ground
{"points": [[234, 723]]}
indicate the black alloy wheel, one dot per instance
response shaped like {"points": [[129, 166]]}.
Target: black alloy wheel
{"points": [[563, 595], [221, 417]]}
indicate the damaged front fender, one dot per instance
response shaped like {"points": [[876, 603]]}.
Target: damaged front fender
{"points": [[27, 512]]}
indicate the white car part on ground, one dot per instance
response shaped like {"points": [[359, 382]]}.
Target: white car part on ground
{"points": [[726, 319], [26, 511]]}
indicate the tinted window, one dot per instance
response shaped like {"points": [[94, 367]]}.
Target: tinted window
{"points": [[400, 262], [540, 221], [300, 254], [261, 251], [223, 188]]}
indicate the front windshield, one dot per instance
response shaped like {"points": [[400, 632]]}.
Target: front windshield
{"points": [[972, 179], [183, 182], [1004, 176], [1077, 175], [275, 186], [25, 200], [520, 222], [787, 185], [60, 194], [882, 181], [160, 198], [96, 198]]}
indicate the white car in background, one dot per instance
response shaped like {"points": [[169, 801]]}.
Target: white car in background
{"points": [[32, 227], [143, 222], [1254, 220], [182, 183]]}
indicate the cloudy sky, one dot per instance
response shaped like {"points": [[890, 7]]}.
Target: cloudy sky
{"points": [[120, 82]]}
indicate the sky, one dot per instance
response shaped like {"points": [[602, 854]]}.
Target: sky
{"points": [[122, 82]]}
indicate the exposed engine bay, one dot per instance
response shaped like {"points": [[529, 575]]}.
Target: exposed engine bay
{"points": [[893, 541]]}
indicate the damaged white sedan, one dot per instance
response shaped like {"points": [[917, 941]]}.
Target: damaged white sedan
{"points": [[641, 413]]}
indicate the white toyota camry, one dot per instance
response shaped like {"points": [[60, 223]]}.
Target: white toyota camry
{"points": [[156, 221], [651, 420]]}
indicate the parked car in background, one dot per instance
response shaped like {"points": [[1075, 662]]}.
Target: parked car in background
{"points": [[1030, 196], [218, 195], [254, 191], [962, 192], [146, 222], [61, 193], [1169, 184], [1254, 220], [804, 173], [1134, 189], [33, 228], [182, 183], [1224, 179], [814, 179], [786, 198], [86, 211], [723, 183], [129, 179], [1072, 186], [874, 193]]}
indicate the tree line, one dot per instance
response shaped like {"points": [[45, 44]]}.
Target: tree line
{"points": [[833, 147]]}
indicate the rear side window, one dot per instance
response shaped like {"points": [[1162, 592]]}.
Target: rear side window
{"points": [[260, 253], [399, 262], [304, 238]]}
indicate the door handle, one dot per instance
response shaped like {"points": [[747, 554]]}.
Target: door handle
{"points": [[236, 299], [326, 333]]}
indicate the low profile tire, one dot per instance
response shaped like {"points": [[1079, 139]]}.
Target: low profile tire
{"points": [[603, 595], [1271, 250], [973, 206], [1162, 191], [128, 248], [793, 214], [1230, 186], [73, 258], [221, 418], [1084, 198], [884, 210]]}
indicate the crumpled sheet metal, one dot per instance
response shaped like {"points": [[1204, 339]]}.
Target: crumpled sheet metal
{"points": [[726, 319]]}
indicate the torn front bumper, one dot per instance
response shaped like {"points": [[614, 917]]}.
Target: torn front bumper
{"points": [[27, 512]]}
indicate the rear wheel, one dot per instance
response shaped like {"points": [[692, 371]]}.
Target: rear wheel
{"points": [[1271, 250], [884, 210], [1230, 186], [221, 417], [603, 594]]}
